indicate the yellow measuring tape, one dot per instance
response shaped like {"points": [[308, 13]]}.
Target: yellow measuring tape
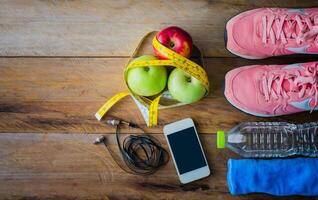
{"points": [[175, 60]]}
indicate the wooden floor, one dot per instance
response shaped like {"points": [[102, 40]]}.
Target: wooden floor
{"points": [[59, 62]]}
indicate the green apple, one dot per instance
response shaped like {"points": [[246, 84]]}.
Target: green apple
{"points": [[148, 80], [185, 88]]}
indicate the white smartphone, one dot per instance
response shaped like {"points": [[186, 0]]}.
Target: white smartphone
{"points": [[186, 150]]}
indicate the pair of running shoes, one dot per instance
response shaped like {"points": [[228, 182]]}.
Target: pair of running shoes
{"points": [[273, 90]]}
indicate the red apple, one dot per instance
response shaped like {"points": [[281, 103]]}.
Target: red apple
{"points": [[175, 39]]}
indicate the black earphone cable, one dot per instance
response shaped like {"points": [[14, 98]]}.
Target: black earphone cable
{"points": [[142, 154]]}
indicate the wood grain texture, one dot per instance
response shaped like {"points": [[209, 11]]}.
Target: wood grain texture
{"points": [[63, 94], [69, 166], [59, 62], [112, 28]]}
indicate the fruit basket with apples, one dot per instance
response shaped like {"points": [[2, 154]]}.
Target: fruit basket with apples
{"points": [[161, 75]]}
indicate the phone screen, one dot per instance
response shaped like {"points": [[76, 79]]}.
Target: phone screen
{"points": [[186, 150]]}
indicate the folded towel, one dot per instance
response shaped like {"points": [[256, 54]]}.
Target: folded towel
{"points": [[297, 176]]}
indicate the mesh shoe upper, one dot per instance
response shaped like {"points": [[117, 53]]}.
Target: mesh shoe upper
{"points": [[272, 90], [266, 32]]}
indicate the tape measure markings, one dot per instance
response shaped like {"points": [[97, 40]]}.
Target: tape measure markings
{"points": [[193, 69], [153, 111], [175, 60], [189, 69], [103, 110]]}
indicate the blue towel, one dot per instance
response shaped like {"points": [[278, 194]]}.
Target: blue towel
{"points": [[283, 177]]}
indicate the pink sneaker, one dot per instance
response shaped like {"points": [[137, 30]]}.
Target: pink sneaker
{"points": [[273, 90], [266, 32]]}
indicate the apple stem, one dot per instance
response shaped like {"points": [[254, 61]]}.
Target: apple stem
{"points": [[171, 44]]}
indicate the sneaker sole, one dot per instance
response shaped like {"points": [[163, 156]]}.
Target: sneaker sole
{"points": [[244, 56], [225, 37]]}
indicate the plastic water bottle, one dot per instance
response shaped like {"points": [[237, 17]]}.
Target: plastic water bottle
{"points": [[271, 139]]}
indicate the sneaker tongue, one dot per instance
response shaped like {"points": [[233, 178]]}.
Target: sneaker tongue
{"points": [[286, 86], [294, 31]]}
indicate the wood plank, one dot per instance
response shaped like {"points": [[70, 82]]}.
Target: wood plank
{"points": [[69, 166], [112, 28], [63, 94]]}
